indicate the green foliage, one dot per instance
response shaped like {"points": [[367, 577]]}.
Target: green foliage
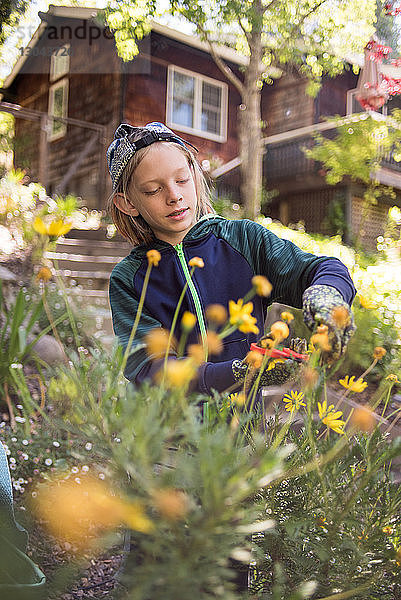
{"points": [[17, 322], [34, 455], [10, 12], [360, 145], [337, 526]]}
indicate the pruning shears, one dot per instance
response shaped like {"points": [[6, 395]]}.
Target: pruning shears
{"points": [[284, 353]]}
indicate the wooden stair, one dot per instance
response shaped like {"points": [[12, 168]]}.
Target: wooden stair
{"points": [[84, 260]]}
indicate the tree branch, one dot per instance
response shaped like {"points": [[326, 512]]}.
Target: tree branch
{"points": [[224, 68]]}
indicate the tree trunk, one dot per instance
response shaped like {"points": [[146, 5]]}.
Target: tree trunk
{"points": [[250, 135]]}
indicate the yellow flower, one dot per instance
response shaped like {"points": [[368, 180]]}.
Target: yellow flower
{"points": [[196, 261], [216, 313], [52, 229], [379, 352], [154, 257], [365, 303], [340, 316], [279, 331], [214, 343], [272, 363], [262, 285], [44, 274], [188, 321], [398, 557], [287, 316], [363, 418], [179, 372], [321, 342], [240, 315], [171, 503], [330, 417], [387, 530], [354, 386], [75, 510], [156, 342], [293, 400], [393, 378], [239, 398]]}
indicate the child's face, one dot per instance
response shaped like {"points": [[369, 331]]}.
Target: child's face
{"points": [[162, 190]]}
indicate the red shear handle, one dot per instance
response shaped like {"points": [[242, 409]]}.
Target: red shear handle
{"points": [[284, 353]]}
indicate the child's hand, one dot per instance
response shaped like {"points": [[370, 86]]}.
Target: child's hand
{"points": [[324, 305], [279, 372]]}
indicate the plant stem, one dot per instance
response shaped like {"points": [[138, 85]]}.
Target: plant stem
{"points": [[137, 317]]}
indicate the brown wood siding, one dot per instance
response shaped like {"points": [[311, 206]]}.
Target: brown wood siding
{"points": [[94, 96], [285, 105], [145, 95], [332, 97]]}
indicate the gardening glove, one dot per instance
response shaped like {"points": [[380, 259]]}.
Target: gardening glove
{"points": [[324, 305], [276, 372]]}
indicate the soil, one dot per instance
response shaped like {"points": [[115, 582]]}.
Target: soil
{"points": [[91, 576]]}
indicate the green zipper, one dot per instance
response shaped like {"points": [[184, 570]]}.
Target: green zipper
{"points": [[195, 295]]}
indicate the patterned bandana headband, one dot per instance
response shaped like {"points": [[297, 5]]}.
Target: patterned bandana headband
{"points": [[122, 148]]}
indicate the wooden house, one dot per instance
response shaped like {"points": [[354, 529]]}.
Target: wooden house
{"points": [[70, 70]]}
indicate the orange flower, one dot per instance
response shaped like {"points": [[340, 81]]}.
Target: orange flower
{"points": [[363, 418], [262, 285], [179, 372], [321, 342], [279, 331], [216, 313], [188, 321], [74, 510], [171, 504], [322, 329], [254, 359], [267, 343], [196, 353], [309, 377], [340, 316], [44, 274], [196, 261], [154, 257], [214, 343], [156, 342], [379, 352]]}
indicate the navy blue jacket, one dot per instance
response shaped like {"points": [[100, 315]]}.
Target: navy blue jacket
{"points": [[233, 252]]}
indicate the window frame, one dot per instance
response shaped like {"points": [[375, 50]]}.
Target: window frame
{"points": [[54, 74], [197, 106], [62, 83]]}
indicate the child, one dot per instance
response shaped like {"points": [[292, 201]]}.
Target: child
{"points": [[160, 201]]}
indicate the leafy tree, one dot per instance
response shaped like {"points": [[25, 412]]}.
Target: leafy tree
{"points": [[10, 10], [356, 153], [307, 36]]}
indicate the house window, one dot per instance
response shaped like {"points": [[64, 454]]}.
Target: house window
{"points": [[354, 107], [196, 104], [60, 62], [58, 102]]}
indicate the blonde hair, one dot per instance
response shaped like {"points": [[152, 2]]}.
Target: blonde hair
{"points": [[136, 229]]}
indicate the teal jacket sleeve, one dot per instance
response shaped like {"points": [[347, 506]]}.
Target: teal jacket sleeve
{"points": [[124, 307], [287, 267]]}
